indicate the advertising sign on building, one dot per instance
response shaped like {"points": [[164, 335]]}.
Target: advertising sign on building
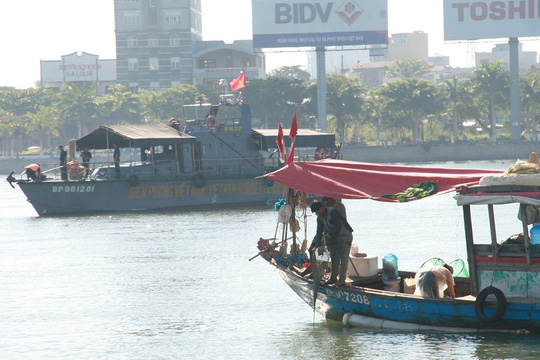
{"points": [[297, 23], [489, 19]]}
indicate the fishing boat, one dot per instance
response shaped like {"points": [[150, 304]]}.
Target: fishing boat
{"points": [[502, 291], [210, 158]]}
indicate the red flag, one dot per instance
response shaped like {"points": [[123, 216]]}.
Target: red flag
{"points": [[291, 155], [294, 127], [281, 144], [292, 135], [238, 83]]}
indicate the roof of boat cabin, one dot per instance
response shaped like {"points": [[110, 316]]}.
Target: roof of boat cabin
{"points": [[304, 138], [133, 136]]}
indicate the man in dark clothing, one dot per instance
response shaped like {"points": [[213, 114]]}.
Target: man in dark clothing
{"points": [[116, 157], [63, 162], [86, 156], [338, 234]]}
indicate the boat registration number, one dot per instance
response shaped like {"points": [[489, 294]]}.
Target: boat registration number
{"points": [[73, 189], [361, 299]]}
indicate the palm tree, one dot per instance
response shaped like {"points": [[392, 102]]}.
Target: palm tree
{"points": [[530, 98], [492, 84], [413, 99], [78, 105]]}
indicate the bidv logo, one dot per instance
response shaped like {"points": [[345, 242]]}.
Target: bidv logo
{"points": [[304, 13]]}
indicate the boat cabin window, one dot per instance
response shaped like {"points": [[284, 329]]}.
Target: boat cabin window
{"points": [[158, 153]]}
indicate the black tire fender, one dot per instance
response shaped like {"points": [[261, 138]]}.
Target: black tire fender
{"points": [[199, 180], [133, 180], [499, 309]]}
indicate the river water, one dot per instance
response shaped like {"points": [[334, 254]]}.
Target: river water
{"points": [[180, 286]]}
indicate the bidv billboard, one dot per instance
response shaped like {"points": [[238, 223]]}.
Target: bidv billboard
{"points": [[489, 19], [287, 23]]}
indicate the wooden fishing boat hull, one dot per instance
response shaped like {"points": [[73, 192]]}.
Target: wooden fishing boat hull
{"points": [[446, 314]]}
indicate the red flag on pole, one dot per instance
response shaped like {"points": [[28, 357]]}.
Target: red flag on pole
{"points": [[294, 127], [238, 83], [281, 144], [292, 135]]}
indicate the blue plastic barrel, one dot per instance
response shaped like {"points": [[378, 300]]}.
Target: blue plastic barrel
{"points": [[535, 238]]}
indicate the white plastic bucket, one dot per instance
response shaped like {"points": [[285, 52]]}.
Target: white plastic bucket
{"points": [[392, 284]]}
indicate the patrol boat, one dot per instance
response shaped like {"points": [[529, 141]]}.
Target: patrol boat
{"points": [[210, 158]]}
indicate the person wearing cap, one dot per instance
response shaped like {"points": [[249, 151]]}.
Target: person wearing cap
{"points": [[432, 281], [330, 202], [338, 233], [63, 162]]}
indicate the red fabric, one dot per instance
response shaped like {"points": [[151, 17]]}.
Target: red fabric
{"points": [[290, 159], [292, 134], [361, 180], [294, 127], [238, 83], [505, 259], [281, 144]]}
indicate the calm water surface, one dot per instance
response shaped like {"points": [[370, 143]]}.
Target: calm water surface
{"points": [[180, 286]]}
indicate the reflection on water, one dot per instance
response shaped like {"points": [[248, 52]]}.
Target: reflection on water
{"points": [[179, 285]]}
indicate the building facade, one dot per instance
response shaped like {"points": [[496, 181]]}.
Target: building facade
{"points": [[155, 40], [159, 45], [78, 68]]}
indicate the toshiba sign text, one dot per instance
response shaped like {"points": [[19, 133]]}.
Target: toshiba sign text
{"points": [[489, 19], [288, 23]]}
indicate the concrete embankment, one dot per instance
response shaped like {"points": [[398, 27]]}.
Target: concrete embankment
{"points": [[440, 152], [391, 154]]}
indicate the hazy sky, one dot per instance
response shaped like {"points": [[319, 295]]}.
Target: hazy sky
{"points": [[34, 30]]}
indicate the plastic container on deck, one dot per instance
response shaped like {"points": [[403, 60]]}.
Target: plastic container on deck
{"points": [[390, 267], [535, 238]]}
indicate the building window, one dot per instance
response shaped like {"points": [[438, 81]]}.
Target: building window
{"points": [[154, 85], [250, 62], [132, 41], [174, 40], [207, 64], [131, 19], [176, 83], [175, 63], [153, 41], [133, 64], [172, 17], [154, 64]]}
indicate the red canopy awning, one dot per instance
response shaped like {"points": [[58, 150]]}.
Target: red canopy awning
{"points": [[360, 180]]}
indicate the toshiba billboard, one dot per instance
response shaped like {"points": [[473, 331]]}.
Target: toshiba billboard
{"points": [[287, 23], [488, 19]]}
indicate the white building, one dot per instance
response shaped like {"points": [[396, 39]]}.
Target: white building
{"points": [[80, 69]]}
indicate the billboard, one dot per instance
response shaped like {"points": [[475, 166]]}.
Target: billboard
{"points": [[296, 23], [490, 19]]}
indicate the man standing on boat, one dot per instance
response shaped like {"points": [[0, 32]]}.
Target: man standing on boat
{"points": [[63, 162], [330, 202], [338, 234], [116, 157], [86, 157]]}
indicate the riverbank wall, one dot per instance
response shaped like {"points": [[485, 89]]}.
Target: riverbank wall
{"points": [[391, 154], [440, 152]]}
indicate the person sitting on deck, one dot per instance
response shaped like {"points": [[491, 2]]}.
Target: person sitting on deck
{"points": [[432, 281], [33, 171]]}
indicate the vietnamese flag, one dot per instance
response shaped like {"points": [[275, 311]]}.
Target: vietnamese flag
{"points": [[281, 144], [292, 135], [238, 83]]}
